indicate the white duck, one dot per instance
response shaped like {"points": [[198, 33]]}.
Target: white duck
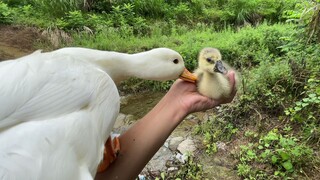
{"points": [[57, 109], [211, 73]]}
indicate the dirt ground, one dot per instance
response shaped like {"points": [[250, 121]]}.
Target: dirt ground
{"points": [[17, 41]]}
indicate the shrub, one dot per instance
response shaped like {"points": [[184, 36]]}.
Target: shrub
{"points": [[282, 156], [269, 85], [5, 13], [57, 8]]}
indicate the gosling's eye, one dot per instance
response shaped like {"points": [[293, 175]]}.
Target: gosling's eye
{"points": [[209, 59], [176, 61]]}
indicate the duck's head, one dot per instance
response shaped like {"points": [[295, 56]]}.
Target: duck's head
{"points": [[165, 64], [210, 60]]}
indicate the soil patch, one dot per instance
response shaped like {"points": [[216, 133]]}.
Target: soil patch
{"points": [[17, 41]]}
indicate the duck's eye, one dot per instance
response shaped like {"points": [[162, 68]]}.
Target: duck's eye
{"points": [[209, 59], [176, 61]]}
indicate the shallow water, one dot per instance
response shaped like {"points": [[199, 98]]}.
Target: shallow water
{"points": [[139, 104]]}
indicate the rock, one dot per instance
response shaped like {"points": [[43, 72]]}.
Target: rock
{"points": [[166, 144], [123, 123], [221, 146], [158, 161], [141, 177], [190, 117], [174, 142], [182, 158], [206, 117], [124, 100], [187, 146], [130, 118], [171, 169], [120, 121]]}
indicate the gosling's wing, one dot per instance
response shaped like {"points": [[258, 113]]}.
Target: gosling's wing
{"points": [[199, 74]]}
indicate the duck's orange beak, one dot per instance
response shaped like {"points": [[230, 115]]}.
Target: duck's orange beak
{"points": [[188, 76]]}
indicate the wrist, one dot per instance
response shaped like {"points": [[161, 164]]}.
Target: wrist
{"points": [[173, 107]]}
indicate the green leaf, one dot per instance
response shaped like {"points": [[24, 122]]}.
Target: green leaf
{"points": [[285, 156], [288, 166], [274, 159], [297, 108], [298, 103], [276, 173], [287, 112], [306, 100], [312, 95], [260, 147], [251, 154], [162, 175], [263, 155], [296, 151], [271, 136]]}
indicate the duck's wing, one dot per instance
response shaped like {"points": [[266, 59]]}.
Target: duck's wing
{"points": [[35, 151], [42, 86]]}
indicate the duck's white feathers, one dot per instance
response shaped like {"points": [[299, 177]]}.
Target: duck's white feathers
{"points": [[71, 105], [156, 64]]}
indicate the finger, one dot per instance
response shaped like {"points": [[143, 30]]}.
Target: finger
{"points": [[232, 79], [210, 103]]}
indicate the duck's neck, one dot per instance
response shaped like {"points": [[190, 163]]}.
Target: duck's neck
{"points": [[119, 66]]}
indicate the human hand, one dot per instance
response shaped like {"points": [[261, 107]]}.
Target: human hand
{"points": [[188, 98]]}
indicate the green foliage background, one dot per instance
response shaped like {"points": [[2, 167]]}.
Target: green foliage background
{"points": [[273, 44]]}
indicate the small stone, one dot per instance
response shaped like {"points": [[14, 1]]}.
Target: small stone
{"points": [[171, 169], [206, 117], [120, 121], [166, 144], [221, 145], [190, 117], [158, 161], [124, 99], [187, 146], [141, 177], [129, 119], [174, 142], [182, 158]]}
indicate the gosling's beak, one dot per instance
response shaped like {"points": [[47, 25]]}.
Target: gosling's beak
{"points": [[188, 76], [220, 68]]}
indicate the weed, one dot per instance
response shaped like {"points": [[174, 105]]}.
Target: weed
{"points": [[5, 13], [284, 156], [190, 170]]}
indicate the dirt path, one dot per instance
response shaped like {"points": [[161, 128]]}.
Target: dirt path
{"points": [[17, 41]]}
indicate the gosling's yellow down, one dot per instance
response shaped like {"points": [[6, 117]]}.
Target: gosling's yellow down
{"points": [[212, 76]]}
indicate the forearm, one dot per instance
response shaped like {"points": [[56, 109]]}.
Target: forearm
{"points": [[143, 140]]}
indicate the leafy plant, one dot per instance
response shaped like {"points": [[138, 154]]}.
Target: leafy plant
{"points": [[190, 170], [283, 153], [5, 13], [73, 20], [58, 8]]}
